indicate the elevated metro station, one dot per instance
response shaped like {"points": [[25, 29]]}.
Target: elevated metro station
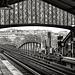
{"points": [[39, 13]]}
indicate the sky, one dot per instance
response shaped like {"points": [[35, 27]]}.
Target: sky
{"points": [[55, 30]]}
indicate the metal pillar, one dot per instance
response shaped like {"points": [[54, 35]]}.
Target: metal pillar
{"points": [[72, 42], [49, 39], [26, 48], [31, 48]]}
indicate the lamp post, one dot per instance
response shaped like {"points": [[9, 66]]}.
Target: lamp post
{"points": [[49, 43], [60, 43]]}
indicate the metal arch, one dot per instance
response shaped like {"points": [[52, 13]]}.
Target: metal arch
{"points": [[42, 25], [27, 43]]}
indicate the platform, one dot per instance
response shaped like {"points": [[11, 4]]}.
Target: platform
{"points": [[6, 68]]}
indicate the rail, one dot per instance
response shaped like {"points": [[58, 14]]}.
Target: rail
{"points": [[38, 63]]}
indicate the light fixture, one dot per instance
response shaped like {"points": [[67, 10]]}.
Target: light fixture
{"points": [[73, 25], [4, 5]]}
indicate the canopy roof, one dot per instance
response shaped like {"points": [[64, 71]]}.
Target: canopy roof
{"points": [[67, 5]]}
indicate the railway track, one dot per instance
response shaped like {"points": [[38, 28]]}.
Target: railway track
{"points": [[38, 65], [32, 72], [23, 70]]}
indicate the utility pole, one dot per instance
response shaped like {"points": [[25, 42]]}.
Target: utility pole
{"points": [[49, 39]]}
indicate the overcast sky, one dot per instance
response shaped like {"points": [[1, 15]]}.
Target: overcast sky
{"points": [[55, 30]]}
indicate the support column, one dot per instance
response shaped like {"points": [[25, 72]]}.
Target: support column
{"points": [[73, 50], [29, 48], [26, 48], [72, 42], [33, 48]]}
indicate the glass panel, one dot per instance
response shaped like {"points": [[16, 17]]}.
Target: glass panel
{"points": [[69, 19], [25, 11], [11, 15], [58, 16], [46, 13], [73, 20], [65, 18], [16, 14], [20, 13], [29, 11], [2, 17], [33, 11], [61, 17], [37, 10], [42, 12], [6, 17], [54, 15], [50, 14]]}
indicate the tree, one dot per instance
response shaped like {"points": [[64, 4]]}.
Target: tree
{"points": [[5, 40], [32, 38], [17, 41]]}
